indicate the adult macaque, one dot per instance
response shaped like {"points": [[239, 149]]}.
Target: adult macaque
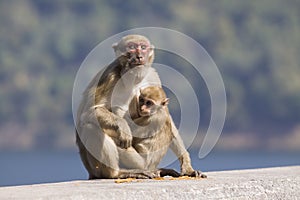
{"points": [[153, 130], [103, 135]]}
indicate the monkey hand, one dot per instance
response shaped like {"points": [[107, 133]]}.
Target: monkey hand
{"points": [[195, 173], [124, 133]]}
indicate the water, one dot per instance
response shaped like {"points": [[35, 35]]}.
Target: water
{"points": [[19, 168]]}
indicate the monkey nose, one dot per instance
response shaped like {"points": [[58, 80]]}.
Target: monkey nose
{"points": [[143, 107]]}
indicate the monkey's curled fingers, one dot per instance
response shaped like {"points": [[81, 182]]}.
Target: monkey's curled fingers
{"points": [[125, 137], [197, 173]]}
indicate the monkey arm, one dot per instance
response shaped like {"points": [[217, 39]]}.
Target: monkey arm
{"points": [[178, 148], [114, 126], [183, 155]]}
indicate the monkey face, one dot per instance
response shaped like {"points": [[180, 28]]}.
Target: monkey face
{"points": [[149, 107], [137, 49], [146, 107], [138, 52]]}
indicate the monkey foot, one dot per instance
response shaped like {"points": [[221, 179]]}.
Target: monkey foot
{"points": [[168, 172]]}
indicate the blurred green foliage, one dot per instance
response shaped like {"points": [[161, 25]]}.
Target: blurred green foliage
{"points": [[255, 44]]}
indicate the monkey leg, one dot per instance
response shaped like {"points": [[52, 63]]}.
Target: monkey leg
{"points": [[135, 165], [131, 159], [100, 156], [98, 152]]}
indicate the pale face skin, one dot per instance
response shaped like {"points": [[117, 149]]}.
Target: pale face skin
{"points": [[148, 107], [139, 52]]}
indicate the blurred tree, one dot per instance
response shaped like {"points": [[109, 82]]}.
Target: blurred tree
{"points": [[256, 45]]}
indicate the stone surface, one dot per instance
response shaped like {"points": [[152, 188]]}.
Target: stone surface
{"points": [[268, 183]]}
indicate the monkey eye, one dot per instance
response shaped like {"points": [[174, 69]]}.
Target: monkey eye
{"points": [[143, 46], [131, 46], [149, 103], [141, 100]]}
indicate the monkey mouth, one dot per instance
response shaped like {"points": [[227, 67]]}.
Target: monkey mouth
{"points": [[144, 113], [136, 60]]}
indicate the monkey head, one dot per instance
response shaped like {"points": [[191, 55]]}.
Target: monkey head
{"points": [[151, 100], [136, 48]]}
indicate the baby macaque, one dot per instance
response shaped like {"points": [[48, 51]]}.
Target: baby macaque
{"points": [[153, 130]]}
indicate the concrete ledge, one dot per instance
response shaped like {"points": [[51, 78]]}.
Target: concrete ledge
{"points": [[269, 183]]}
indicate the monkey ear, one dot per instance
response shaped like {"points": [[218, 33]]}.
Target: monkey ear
{"points": [[152, 50], [115, 46], [165, 102], [151, 55]]}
